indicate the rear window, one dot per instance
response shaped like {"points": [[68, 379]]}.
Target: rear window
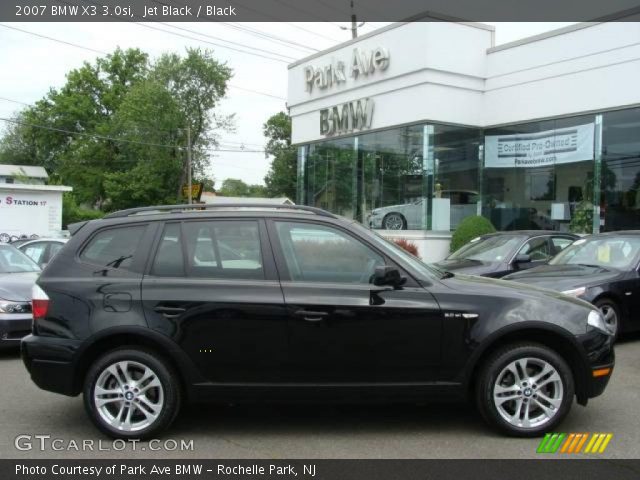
{"points": [[114, 247]]}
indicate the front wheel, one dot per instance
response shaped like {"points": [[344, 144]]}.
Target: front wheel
{"points": [[611, 314], [525, 390], [131, 393]]}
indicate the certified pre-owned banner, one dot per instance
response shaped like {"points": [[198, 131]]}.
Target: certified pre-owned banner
{"points": [[566, 145]]}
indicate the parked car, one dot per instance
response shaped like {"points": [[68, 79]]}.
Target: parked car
{"points": [[18, 274], [602, 269], [498, 254], [410, 215], [42, 250], [318, 309]]}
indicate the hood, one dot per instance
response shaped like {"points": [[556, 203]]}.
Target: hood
{"points": [[510, 289], [17, 286], [466, 266], [388, 208], [564, 277]]}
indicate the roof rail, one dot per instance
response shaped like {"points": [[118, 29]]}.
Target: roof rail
{"points": [[210, 206]]}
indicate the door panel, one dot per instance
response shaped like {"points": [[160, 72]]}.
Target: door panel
{"points": [[341, 327], [212, 287]]}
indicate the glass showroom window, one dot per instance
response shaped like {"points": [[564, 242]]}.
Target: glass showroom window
{"points": [[455, 171], [390, 174], [540, 175], [329, 176], [620, 171]]}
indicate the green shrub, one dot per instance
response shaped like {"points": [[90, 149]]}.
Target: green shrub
{"points": [[470, 228], [72, 212]]}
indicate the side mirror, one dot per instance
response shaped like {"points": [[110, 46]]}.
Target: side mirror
{"points": [[522, 258], [388, 276]]}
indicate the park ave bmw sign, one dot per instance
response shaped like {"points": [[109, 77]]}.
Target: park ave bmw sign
{"points": [[349, 116]]}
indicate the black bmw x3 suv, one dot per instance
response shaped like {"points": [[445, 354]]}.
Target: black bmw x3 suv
{"points": [[149, 308]]}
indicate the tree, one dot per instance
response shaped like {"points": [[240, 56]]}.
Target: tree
{"points": [[128, 119], [233, 187], [281, 179]]}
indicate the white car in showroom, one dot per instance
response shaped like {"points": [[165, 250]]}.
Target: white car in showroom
{"points": [[409, 216]]}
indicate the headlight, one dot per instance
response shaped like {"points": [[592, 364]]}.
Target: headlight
{"points": [[14, 307], [575, 292], [596, 320]]}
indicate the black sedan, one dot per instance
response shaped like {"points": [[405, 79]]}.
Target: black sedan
{"points": [[601, 269], [498, 254]]}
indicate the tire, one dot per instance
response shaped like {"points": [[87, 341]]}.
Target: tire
{"points": [[501, 411], [394, 221], [149, 413], [611, 313]]}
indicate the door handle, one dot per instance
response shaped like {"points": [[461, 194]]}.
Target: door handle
{"points": [[311, 316], [170, 312]]}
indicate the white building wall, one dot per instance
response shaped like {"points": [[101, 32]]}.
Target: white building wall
{"points": [[449, 72], [436, 72]]}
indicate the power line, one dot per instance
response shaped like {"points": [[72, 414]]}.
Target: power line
{"points": [[106, 53], [271, 52], [270, 37], [119, 140], [209, 42]]}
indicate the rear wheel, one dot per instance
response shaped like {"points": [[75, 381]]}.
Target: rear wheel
{"points": [[131, 393], [525, 389], [611, 314]]}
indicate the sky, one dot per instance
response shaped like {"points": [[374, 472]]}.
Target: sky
{"points": [[31, 65]]}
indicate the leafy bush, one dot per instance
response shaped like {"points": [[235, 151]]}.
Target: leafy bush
{"points": [[470, 228], [405, 244], [72, 212]]}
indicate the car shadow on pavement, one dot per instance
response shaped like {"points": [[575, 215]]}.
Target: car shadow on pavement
{"points": [[328, 419], [9, 353]]}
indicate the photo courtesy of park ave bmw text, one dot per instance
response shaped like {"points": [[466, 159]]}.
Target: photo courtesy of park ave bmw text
{"points": [[319, 239]]}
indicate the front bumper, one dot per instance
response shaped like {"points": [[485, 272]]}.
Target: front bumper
{"points": [[375, 221], [13, 328], [601, 362], [50, 362]]}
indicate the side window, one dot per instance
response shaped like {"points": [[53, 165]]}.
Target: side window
{"points": [[223, 249], [316, 253], [537, 249], [169, 261], [114, 247], [560, 243], [54, 248], [35, 251]]}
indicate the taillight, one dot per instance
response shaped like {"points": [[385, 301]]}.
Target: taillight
{"points": [[39, 303]]}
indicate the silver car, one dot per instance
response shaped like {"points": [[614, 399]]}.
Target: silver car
{"points": [[18, 274], [410, 216], [42, 250]]}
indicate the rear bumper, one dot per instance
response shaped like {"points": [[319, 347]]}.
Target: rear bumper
{"points": [[50, 363], [14, 328]]}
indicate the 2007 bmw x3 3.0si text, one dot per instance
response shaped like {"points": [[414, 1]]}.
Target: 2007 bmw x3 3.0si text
{"points": [[152, 307]]}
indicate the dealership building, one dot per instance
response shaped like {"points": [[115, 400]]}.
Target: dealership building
{"points": [[415, 126]]}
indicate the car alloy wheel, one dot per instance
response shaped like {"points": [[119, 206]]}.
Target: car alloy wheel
{"points": [[394, 221], [610, 316], [528, 393], [128, 396], [132, 392]]}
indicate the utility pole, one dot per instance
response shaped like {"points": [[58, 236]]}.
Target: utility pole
{"points": [[189, 165], [354, 23]]}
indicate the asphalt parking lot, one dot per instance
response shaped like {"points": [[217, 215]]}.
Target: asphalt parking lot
{"points": [[279, 432]]}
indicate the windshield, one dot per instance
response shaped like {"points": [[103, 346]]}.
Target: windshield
{"points": [[417, 264], [606, 252], [13, 260], [488, 249]]}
